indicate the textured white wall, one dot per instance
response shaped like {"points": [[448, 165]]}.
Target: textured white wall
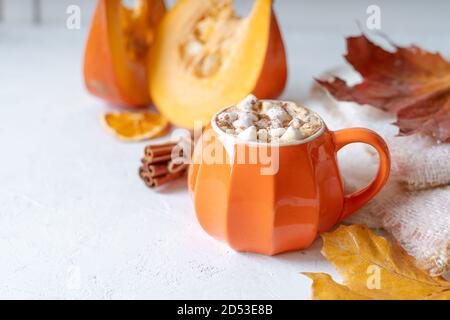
{"points": [[413, 16], [52, 11], [76, 220]]}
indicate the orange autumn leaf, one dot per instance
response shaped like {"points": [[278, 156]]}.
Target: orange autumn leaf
{"points": [[373, 269], [135, 126], [411, 82]]}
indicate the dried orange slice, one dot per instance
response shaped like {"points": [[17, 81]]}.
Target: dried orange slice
{"points": [[135, 126]]}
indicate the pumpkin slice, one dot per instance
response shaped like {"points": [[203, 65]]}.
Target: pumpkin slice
{"points": [[205, 57], [115, 65], [135, 126]]}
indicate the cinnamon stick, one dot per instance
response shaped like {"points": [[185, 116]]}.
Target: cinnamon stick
{"points": [[157, 150], [159, 181], [157, 170], [157, 167], [145, 175], [158, 159]]}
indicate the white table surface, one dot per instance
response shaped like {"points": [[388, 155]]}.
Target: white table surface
{"points": [[76, 221]]}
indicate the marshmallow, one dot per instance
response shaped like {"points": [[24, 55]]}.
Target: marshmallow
{"points": [[263, 123], [245, 120], [278, 113], [263, 135], [313, 120], [228, 117], [276, 133], [266, 105], [275, 124], [296, 123], [302, 114], [308, 129], [248, 134], [248, 103], [291, 108], [292, 134]]}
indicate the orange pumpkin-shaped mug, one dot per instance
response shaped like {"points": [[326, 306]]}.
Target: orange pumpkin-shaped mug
{"points": [[268, 213]]}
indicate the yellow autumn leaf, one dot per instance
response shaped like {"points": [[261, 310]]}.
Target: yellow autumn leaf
{"points": [[135, 126], [325, 288], [373, 268]]}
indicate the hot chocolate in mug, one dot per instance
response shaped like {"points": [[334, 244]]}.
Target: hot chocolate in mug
{"points": [[275, 197]]}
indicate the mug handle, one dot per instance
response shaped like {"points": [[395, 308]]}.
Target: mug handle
{"points": [[356, 200]]}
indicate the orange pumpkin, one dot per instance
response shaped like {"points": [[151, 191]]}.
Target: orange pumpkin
{"points": [[205, 57], [115, 66]]}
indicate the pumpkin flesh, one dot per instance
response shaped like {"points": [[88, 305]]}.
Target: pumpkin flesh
{"points": [[205, 57]]}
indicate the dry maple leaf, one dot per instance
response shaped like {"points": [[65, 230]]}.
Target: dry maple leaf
{"points": [[362, 258], [411, 82]]}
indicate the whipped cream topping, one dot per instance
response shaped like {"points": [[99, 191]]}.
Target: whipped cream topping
{"points": [[268, 121]]}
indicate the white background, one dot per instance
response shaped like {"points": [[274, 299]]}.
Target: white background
{"points": [[76, 221]]}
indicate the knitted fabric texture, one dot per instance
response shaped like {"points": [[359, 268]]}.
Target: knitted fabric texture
{"points": [[415, 204], [419, 220], [419, 162]]}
